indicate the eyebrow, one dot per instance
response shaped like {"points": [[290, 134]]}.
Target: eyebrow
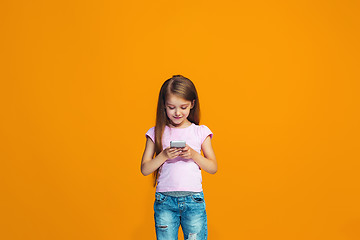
{"points": [[185, 104]]}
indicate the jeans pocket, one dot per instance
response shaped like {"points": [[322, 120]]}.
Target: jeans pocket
{"points": [[198, 197], [159, 197]]}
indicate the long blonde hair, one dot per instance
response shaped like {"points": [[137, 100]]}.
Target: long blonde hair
{"points": [[181, 87]]}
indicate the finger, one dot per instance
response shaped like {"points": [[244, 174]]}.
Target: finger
{"points": [[172, 150], [186, 156], [184, 150], [175, 151]]}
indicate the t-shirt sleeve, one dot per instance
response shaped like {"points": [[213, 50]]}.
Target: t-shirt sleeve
{"points": [[151, 134], [204, 132]]}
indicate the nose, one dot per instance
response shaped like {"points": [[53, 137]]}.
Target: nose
{"points": [[177, 112]]}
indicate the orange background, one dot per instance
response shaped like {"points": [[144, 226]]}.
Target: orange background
{"points": [[278, 83]]}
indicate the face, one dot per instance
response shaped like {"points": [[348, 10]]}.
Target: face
{"points": [[178, 109]]}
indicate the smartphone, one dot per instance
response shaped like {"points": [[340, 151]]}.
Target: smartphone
{"points": [[177, 144]]}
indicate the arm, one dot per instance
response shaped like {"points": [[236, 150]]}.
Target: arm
{"points": [[150, 164], [208, 163]]}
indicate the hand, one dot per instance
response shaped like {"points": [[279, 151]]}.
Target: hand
{"points": [[171, 153], [187, 152]]}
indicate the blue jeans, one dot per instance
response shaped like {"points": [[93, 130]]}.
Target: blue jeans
{"points": [[189, 212]]}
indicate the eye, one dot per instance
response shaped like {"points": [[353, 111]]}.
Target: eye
{"points": [[171, 108], [184, 108]]}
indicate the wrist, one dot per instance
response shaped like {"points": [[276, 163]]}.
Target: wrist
{"points": [[163, 155], [194, 154]]}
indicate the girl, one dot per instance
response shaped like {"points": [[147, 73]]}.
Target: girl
{"points": [[179, 199]]}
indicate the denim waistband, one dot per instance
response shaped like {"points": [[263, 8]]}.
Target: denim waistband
{"points": [[179, 193]]}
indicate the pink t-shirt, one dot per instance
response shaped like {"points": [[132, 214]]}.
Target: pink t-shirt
{"points": [[179, 174]]}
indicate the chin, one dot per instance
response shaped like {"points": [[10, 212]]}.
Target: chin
{"points": [[176, 123]]}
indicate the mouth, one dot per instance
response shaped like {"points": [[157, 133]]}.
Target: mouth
{"points": [[177, 117]]}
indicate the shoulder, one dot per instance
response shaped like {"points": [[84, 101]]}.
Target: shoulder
{"points": [[201, 127], [151, 133], [151, 129], [203, 131]]}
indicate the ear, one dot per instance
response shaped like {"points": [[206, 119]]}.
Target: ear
{"points": [[192, 104]]}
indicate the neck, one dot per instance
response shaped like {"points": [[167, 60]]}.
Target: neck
{"points": [[182, 125]]}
